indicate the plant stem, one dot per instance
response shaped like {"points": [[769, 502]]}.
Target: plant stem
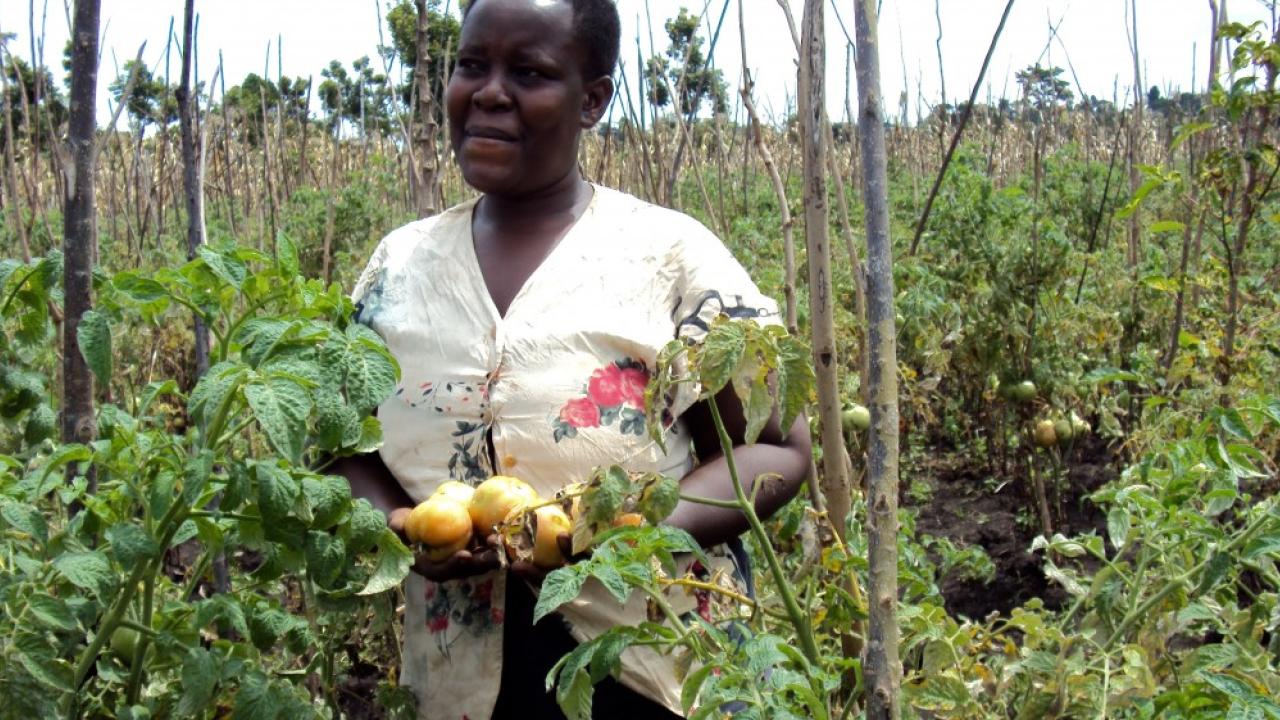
{"points": [[798, 619]]}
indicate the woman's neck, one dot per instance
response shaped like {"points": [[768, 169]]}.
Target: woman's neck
{"points": [[567, 196]]}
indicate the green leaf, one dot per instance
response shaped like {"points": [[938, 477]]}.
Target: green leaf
{"points": [[325, 554], [256, 699], [1214, 570], [559, 587], [692, 685], [370, 435], [372, 373], [40, 659], [93, 335], [277, 492], [1162, 226], [212, 389], [25, 518], [1118, 526], [200, 673], [659, 498], [606, 657], [364, 526], [195, 476], [602, 500], [328, 496], [286, 256], [337, 423], [1142, 192], [52, 611], [131, 544], [89, 571], [795, 379], [394, 561], [575, 697], [227, 269], [612, 580], [266, 625], [139, 289], [721, 352], [281, 407]]}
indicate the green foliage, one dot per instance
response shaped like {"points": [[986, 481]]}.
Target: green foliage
{"points": [[150, 101], [684, 70], [94, 620], [442, 41]]}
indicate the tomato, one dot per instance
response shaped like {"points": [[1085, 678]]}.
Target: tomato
{"points": [[439, 521], [496, 499], [629, 519], [461, 492], [1080, 426], [1044, 434], [855, 418], [1024, 392], [550, 523], [1063, 431], [124, 643]]}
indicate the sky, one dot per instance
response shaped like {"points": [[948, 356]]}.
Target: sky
{"points": [[300, 37]]}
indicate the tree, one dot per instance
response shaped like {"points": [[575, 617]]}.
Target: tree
{"points": [[78, 227], [684, 67], [883, 668], [22, 99], [361, 97], [442, 41], [150, 102], [1043, 89]]}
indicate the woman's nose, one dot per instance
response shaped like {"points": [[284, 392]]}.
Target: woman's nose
{"points": [[492, 94]]}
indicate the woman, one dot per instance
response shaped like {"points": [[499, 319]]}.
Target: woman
{"points": [[526, 323]]}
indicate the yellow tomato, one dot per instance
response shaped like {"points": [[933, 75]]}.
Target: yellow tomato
{"points": [[497, 498], [439, 521], [551, 524], [630, 519], [461, 492]]}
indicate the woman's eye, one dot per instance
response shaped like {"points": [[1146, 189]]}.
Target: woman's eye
{"points": [[468, 65], [529, 73]]}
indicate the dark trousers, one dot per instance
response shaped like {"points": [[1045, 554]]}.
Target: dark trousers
{"points": [[529, 651]]}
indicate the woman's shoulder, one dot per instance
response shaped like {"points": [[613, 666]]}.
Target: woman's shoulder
{"points": [[431, 230], [634, 214]]}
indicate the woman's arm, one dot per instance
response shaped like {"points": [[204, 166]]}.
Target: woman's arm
{"points": [[370, 479], [784, 460]]}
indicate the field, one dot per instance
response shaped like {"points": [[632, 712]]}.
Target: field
{"points": [[1087, 331]]}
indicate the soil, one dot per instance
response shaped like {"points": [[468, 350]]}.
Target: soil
{"points": [[969, 506]]}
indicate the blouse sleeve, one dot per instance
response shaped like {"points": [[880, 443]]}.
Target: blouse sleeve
{"points": [[710, 282]]}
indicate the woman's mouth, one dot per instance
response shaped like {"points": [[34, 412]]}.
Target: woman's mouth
{"points": [[490, 133]]}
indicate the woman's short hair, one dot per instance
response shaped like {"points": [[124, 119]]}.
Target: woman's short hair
{"points": [[597, 29]]}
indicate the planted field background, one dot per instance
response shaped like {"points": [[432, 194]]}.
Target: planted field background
{"points": [[1086, 315]]}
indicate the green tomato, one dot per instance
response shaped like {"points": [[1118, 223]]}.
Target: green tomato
{"points": [[855, 418], [124, 642], [1063, 431], [1024, 392]]}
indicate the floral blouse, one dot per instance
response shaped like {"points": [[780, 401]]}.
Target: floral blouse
{"points": [[547, 392]]}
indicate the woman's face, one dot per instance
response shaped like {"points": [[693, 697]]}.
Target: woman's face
{"points": [[517, 101]]}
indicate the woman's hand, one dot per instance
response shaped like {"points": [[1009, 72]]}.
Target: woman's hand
{"points": [[462, 564]]}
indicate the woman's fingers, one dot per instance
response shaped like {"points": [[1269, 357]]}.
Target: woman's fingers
{"points": [[396, 519]]}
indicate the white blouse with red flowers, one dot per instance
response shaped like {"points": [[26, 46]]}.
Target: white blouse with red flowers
{"points": [[548, 392]]}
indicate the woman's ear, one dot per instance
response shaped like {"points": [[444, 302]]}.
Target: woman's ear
{"points": [[597, 95]]}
